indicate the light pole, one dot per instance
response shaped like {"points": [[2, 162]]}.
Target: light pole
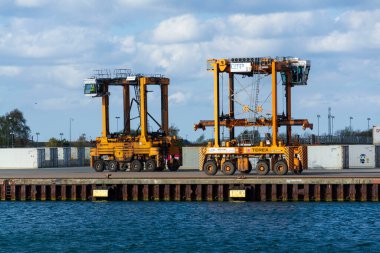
{"points": [[37, 137], [9, 131], [117, 123], [332, 125], [368, 119], [61, 134], [351, 118], [318, 116], [12, 137], [70, 120]]}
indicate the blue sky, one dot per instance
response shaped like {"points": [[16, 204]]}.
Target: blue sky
{"points": [[48, 47]]}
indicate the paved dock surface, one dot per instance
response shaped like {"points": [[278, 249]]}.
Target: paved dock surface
{"points": [[89, 173]]}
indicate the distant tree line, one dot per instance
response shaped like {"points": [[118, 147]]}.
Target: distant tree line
{"points": [[13, 130]]}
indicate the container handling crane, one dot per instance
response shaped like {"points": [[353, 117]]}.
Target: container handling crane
{"points": [[273, 154], [134, 150]]}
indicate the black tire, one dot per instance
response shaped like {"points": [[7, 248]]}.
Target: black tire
{"points": [[174, 166], [297, 172], [150, 165], [210, 168], [228, 168], [160, 168], [99, 166], [262, 167], [249, 169], [136, 166], [113, 166], [280, 167], [123, 166]]}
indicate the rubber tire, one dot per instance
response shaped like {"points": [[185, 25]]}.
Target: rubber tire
{"points": [[210, 168], [175, 166], [160, 169], [113, 166], [99, 166], [280, 167], [297, 172], [262, 167], [150, 165], [123, 167], [228, 168], [249, 169], [136, 166]]}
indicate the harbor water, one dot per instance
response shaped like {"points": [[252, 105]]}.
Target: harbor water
{"points": [[189, 227]]}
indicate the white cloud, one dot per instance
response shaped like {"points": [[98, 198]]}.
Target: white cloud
{"points": [[23, 41], [177, 29], [30, 3], [64, 102], [10, 70], [128, 44], [352, 31], [178, 97], [270, 24]]}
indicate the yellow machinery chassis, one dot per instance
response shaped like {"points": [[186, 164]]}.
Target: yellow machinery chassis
{"points": [[279, 159]]}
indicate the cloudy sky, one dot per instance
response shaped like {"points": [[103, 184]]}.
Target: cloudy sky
{"points": [[48, 47]]}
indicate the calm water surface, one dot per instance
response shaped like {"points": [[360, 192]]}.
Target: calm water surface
{"points": [[189, 227]]}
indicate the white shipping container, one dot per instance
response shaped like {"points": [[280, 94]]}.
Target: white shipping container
{"points": [[74, 154], [376, 135], [361, 156], [190, 158], [18, 158], [325, 157], [87, 153], [60, 154], [47, 154]]}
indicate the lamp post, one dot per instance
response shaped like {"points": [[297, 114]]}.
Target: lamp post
{"points": [[70, 120], [9, 130], [12, 137], [332, 125], [368, 119], [351, 118], [117, 123], [37, 134], [318, 116], [61, 134]]}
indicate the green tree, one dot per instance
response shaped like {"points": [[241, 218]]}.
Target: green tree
{"points": [[200, 139], [54, 142], [14, 129], [82, 141], [173, 131]]}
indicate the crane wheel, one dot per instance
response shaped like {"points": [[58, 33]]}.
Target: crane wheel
{"points": [[297, 172], [160, 169], [150, 165], [280, 167], [123, 167], [99, 166], [262, 167], [228, 168], [113, 166], [174, 166], [210, 168], [247, 171], [136, 165]]}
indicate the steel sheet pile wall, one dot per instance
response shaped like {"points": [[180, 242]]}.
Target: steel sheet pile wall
{"points": [[18, 158], [196, 190]]}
